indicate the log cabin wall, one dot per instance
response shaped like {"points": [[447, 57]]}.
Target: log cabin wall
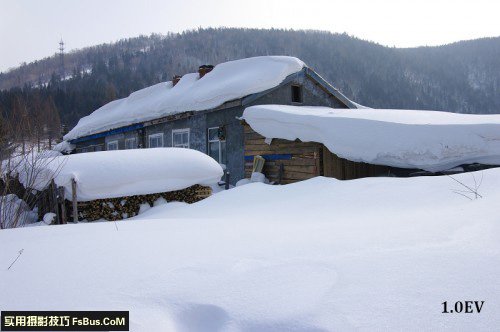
{"points": [[343, 169], [300, 160]]}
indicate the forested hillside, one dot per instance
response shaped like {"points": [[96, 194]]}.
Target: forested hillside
{"points": [[460, 77]]}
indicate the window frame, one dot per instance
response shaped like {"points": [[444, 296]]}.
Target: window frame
{"points": [[134, 139], [215, 141], [110, 143], [300, 93], [182, 131], [155, 136]]}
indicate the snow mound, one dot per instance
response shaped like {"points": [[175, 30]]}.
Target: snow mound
{"points": [[49, 218], [299, 257], [109, 174], [428, 140], [227, 81]]}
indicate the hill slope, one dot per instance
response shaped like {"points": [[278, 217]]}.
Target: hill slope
{"points": [[460, 77]]}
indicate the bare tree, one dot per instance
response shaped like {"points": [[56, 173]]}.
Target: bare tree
{"points": [[24, 171]]}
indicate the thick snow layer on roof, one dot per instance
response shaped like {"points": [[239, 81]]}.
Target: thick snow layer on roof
{"points": [[227, 81], [299, 257], [64, 147], [109, 174], [427, 140]]}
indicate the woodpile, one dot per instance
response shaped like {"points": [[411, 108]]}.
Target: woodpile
{"points": [[126, 207]]}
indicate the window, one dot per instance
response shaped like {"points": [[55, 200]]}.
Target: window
{"points": [[180, 138], [217, 144], [113, 145], [156, 140], [296, 94], [98, 148], [131, 143]]}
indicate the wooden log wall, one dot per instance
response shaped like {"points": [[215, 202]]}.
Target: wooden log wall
{"points": [[299, 160], [343, 169], [302, 160]]}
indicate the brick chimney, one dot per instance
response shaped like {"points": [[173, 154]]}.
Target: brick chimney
{"points": [[205, 69], [176, 79]]}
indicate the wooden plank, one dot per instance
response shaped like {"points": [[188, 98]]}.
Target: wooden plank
{"points": [[62, 203], [282, 146], [327, 163], [253, 136], [343, 169], [295, 152], [55, 202], [319, 162], [299, 162], [277, 142], [297, 175], [248, 129], [301, 169], [298, 153], [74, 199], [255, 141]]}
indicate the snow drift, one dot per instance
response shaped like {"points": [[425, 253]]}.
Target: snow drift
{"points": [[428, 140], [110, 174], [300, 257], [227, 81]]}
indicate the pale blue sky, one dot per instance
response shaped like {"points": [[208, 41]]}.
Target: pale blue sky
{"points": [[31, 29]]}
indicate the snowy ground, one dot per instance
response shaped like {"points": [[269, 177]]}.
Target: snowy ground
{"points": [[378, 254]]}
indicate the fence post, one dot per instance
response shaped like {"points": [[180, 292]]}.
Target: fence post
{"points": [[62, 202], [280, 173], [55, 201], [226, 180], [75, 203]]}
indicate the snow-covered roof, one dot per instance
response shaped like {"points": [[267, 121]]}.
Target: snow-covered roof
{"points": [[227, 81], [64, 147], [428, 140]]}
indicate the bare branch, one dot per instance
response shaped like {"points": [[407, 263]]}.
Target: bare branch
{"points": [[473, 191]]}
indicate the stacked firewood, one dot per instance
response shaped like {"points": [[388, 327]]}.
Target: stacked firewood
{"points": [[126, 207]]}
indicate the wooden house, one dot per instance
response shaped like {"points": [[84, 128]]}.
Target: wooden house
{"points": [[201, 110], [291, 161], [301, 142]]}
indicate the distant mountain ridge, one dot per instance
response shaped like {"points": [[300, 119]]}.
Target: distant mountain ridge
{"points": [[460, 77]]}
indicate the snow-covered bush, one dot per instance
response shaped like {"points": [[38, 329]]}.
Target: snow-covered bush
{"points": [[15, 212], [22, 175], [24, 158]]}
